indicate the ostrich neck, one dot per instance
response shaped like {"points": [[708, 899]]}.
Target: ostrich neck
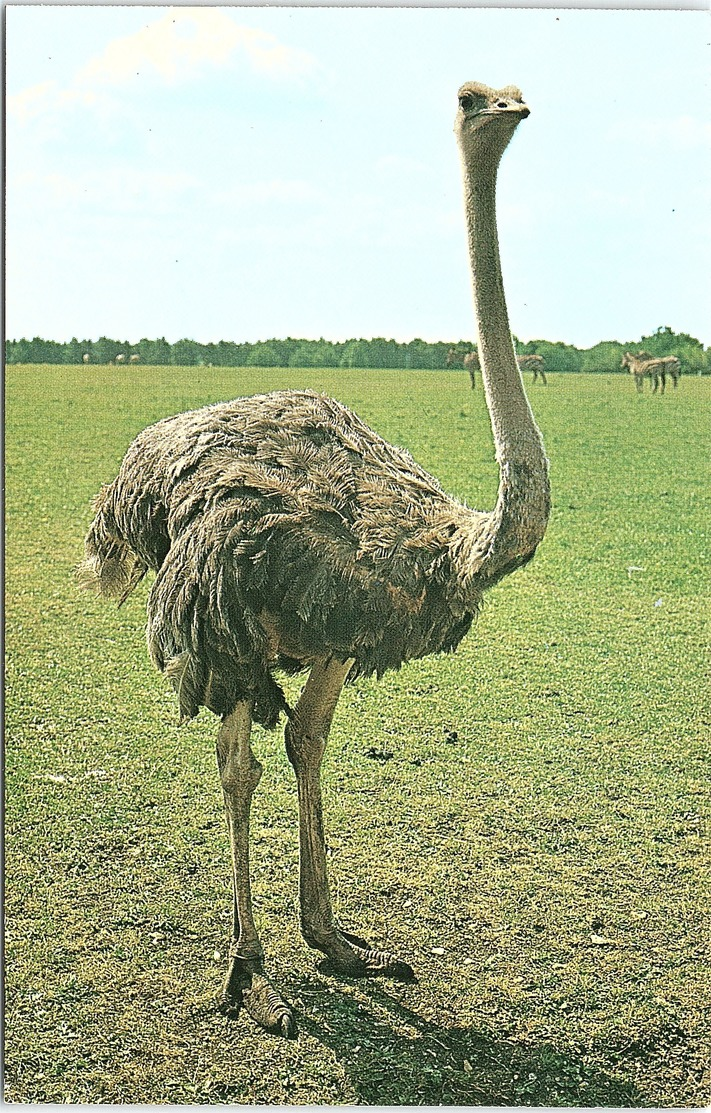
{"points": [[523, 503]]}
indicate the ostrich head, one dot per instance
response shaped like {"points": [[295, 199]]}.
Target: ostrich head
{"points": [[487, 118]]}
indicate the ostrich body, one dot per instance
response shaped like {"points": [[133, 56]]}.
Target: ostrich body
{"points": [[284, 533]]}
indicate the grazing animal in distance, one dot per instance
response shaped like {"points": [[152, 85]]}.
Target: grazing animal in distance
{"points": [[535, 364], [643, 366], [120, 358], [86, 358], [134, 358], [471, 364], [466, 358], [285, 533], [455, 356], [670, 365]]}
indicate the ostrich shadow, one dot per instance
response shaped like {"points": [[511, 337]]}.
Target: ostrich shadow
{"points": [[436, 1065]]}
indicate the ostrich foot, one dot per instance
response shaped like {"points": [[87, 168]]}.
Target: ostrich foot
{"points": [[354, 957], [247, 987]]}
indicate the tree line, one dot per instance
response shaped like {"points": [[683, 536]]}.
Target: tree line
{"points": [[376, 353]]}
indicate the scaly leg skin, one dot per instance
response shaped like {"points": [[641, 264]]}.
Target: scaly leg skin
{"points": [[306, 734], [246, 985]]}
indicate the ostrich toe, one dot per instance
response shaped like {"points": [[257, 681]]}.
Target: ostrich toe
{"points": [[250, 989], [351, 955], [265, 1005]]}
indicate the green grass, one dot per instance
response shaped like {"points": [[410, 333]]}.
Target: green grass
{"points": [[538, 791]]}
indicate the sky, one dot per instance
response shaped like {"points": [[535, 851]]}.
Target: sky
{"points": [[225, 173]]}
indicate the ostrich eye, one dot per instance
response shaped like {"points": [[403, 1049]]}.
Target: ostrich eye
{"points": [[501, 104], [466, 102]]}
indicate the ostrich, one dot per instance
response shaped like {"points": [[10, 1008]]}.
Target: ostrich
{"points": [[284, 533], [536, 364]]}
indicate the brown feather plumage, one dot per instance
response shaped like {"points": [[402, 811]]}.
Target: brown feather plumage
{"points": [[283, 505]]}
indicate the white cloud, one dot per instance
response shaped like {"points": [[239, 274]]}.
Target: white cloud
{"points": [[38, 101], [186, 39], [31, 100], [174, 48]]}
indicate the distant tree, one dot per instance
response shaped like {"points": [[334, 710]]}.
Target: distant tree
{"points": [[105, 350], [665, 342], [603, 357], [185, 353], [311, 353], [73, 351], [327, 353], [557, 355], [211, 355], [378, 352], [265, 354], [418, 354], [356, 353], [226, 354], [18, 351], [164, 353]]}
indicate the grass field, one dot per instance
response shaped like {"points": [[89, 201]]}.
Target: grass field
{"points": [[523, 820]]}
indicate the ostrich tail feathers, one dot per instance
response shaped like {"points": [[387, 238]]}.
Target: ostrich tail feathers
{"points": [[111, 568], [110, 577]]}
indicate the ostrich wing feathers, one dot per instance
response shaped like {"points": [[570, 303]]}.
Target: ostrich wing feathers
{"points": [[283, 505]]}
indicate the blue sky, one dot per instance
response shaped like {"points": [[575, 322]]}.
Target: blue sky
{"points": [[242, 173]]}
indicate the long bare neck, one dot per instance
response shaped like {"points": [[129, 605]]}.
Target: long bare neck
{"points": [[523, 503]]}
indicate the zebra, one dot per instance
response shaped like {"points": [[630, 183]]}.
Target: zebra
{"points": [[465, 357], [643, 366], [536, 365], [472, 365]]}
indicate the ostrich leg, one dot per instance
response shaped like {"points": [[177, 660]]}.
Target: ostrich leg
{"points": [[306, 735], [246, 985]]}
